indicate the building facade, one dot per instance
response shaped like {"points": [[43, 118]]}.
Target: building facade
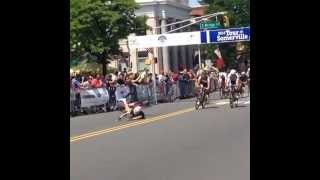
{"points": [[159, 13]]}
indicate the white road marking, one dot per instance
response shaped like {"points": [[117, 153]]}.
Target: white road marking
{"points": [[221, 103], [227, 102], [247, 102]]}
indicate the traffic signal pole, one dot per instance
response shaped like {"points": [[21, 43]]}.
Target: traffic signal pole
{"points": [[193, 21]]}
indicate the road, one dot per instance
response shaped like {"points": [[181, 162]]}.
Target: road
{"points": [[184, 144]]}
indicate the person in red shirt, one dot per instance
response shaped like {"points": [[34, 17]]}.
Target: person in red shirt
{"points": [[175, 76], [96, 82], [191, 74]]}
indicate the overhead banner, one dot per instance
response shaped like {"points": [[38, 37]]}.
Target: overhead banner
{"points": [[190, 38], [162, 40]]}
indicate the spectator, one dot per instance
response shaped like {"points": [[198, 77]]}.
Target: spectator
{"points": [[120, 79], [131, 82], [184, 82], [96, 82], [116, 73], [108, 80], [175, 76], [83, 79], [161, 77], [191, 74], [142, 78], [150, 78], [185, 76], [125, 71], [103, 80], [86, 82], [75, 85]]}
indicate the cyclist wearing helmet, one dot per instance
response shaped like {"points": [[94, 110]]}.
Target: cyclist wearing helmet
{"points": [[243, 79], [204, 79], [232, 79]]}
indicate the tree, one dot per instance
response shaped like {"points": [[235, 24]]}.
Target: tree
{"points": [[238, 12], [97, 26]]}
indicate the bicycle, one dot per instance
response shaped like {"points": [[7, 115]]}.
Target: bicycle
{"points": [[202, 98], [223, 91], [232, 97]]}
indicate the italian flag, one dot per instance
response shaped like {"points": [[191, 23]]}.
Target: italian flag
{"points": [[219, 61]]}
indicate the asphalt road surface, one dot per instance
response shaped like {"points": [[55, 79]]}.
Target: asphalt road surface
{"points": [[174, 142]]}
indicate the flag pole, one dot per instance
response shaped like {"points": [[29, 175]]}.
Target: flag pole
{"points": [[154, 80], [199, 57], [151, 52]]}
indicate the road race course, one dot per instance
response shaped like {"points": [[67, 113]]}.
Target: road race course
{"points": [[174, 142]]}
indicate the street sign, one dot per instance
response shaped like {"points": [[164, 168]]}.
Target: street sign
{"points": [[230, 35], [210, 25]]}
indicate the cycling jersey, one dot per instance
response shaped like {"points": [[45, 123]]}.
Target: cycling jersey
{"points": [[243, 78], [204, 81], [232, 79]]}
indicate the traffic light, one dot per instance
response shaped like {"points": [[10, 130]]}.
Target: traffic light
{"points": [[226, 21]]}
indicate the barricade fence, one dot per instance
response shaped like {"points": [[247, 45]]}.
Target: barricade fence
{"points": [[100, 97]]}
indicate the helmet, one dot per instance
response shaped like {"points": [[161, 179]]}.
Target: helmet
{"points": [[204, 73], [243, 73], [233, 71]]}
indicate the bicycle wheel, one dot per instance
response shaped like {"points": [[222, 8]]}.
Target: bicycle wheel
{"points": [[231, 103], [203, 100], [203, 105], [231, 99], [197, 105]]}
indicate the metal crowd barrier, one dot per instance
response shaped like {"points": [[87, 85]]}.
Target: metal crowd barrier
{"points": [[186, 88], [99, 97]]}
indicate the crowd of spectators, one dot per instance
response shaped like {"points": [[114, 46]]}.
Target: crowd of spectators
{"points": [[131, 79], [87, 80]]}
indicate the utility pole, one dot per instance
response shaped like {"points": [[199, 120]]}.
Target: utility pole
{"points": [[199, 57]]}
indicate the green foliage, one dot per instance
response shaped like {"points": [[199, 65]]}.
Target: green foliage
{"points": [[140, 25], [238, 11], [97, 25]]}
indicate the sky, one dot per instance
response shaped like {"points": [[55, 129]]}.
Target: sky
{"points": [[193, 2]]}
